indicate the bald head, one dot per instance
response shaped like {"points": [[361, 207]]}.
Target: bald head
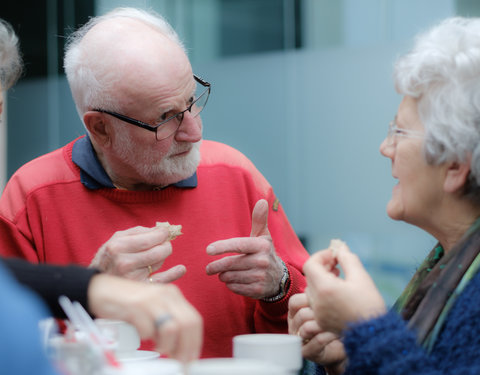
{"points": [[120, 54], [129, 56]]}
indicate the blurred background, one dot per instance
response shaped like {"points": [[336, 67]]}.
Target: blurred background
{"points": [[302, 87]]}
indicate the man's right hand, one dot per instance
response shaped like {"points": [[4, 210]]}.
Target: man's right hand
{"points": [[135, 253]]}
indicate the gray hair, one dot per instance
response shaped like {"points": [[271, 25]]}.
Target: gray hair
{"points": [[443, 72], [11, 65], [90, 90]]}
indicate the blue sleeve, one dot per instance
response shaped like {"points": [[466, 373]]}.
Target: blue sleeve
{"points": [[386, 346], [20, 345]]}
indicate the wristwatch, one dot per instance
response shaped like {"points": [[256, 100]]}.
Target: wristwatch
{"points": [[284, 285]]}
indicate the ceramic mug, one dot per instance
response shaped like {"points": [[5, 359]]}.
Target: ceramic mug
{"points": [[124, 335], [280, 349]]}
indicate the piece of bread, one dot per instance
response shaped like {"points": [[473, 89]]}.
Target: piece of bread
{"points": [[174, 230], [335, 244]]}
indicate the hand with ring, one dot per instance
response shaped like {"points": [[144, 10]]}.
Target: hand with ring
{"points": [[150, 271], [138, 253], [162, 319], [158, 311]]}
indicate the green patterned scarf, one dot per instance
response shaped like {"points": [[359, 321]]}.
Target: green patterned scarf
{"points": [[439, 280]]}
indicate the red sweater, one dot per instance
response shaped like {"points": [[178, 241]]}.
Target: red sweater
{"points": [[48, 215]]}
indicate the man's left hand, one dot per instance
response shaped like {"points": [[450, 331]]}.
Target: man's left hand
{"points": [[255, 270]]}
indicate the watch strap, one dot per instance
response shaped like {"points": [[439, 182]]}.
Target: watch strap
{"points": [[284, 286]]}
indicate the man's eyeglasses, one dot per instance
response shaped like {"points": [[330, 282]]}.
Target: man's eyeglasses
{"points": [[394, 131], [170, 125]]}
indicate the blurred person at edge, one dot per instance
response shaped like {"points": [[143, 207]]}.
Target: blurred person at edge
{"points": [[142, 162], [434, 146], [104, 296]]}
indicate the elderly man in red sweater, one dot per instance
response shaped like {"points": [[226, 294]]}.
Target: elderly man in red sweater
{"points": [[142, 162]]}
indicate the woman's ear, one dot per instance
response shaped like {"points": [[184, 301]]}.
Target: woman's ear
{"points": [[456, 175], [97, 127]]}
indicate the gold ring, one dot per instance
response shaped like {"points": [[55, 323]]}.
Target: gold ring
{"points": [[150, 271]]}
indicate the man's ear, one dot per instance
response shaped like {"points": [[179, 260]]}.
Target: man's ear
{"points": [[456, 175], [98, 129]]}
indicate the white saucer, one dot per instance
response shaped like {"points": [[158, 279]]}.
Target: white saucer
{"points": [[137, 355]]}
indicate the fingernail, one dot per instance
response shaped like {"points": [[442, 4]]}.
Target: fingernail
{"points": [[210, 249]]}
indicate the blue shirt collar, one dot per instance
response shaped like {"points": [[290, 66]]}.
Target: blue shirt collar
{"points": [[92, 174]]}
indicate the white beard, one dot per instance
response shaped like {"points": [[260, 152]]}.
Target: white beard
{"points": [[165, 172]]}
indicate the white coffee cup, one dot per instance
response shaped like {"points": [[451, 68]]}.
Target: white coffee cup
{"points": [[281, 349], [234, 366], [123, 335]]}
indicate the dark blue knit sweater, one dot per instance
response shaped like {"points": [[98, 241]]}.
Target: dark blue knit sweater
{"points": [[385, 346]]}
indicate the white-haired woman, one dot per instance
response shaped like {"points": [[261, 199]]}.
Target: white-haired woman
{"points": [[434, 146]]}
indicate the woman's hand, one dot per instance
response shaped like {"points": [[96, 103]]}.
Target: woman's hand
{"points": [[319, 346], [336, 301]]}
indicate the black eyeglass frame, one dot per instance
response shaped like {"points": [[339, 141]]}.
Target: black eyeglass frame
{"points": [[154, 128]]}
